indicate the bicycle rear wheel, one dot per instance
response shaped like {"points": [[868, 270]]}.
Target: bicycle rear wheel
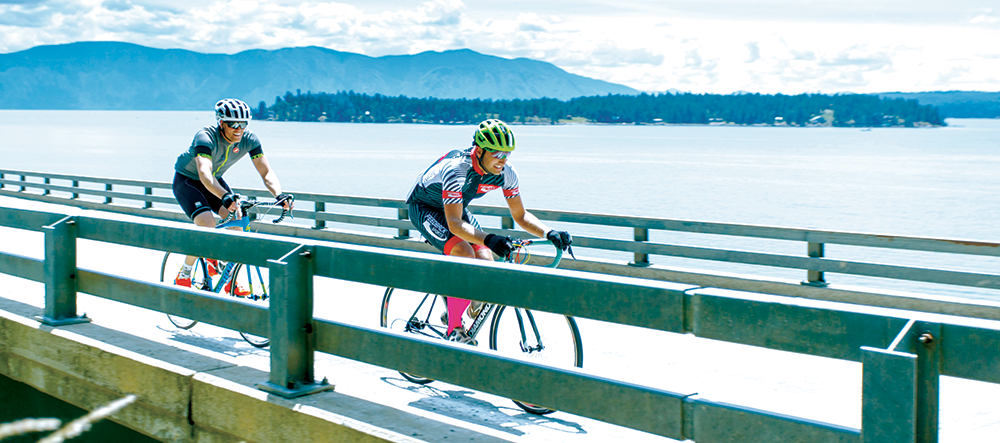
{"points": [[251, 283], [171, 266], [413, 313], [536, 336]]}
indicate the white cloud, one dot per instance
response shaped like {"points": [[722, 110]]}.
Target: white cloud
{"points": [[754, 49], [722, 46], [985, 16], [117, 5]]}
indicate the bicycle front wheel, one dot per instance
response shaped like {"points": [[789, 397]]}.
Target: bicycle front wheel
{"points": [[536, 336], [251, 283], [414, 313], [171, 266]]}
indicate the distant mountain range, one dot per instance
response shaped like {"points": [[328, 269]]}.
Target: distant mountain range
{"points": [[115, 75]]}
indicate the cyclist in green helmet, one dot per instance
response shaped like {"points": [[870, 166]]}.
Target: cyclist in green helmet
{"points": [[439, 201]]}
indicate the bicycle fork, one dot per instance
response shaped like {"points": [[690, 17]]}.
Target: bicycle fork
{"points": [[263, 287], [534, 328]]}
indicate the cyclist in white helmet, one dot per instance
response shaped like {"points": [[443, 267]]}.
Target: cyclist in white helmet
{"points": [[198, 184]]}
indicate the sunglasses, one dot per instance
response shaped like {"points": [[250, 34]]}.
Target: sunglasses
{"points": [[237, 125], [499, 155]]}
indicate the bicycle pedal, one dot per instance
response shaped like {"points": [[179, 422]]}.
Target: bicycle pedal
{"points": [[460, 336]]}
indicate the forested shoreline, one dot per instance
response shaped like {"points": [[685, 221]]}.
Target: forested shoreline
{"points": [[842, 110]]}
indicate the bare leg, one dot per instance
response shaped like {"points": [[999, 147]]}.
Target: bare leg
{"points": [[205, 220]]}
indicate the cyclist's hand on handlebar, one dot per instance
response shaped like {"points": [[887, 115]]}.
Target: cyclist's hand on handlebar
{"points": [[287, 200], [231, 202], [500, 246], [559, 239]]}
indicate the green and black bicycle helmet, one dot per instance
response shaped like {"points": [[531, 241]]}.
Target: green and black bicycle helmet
{"points": [[494, 135]]}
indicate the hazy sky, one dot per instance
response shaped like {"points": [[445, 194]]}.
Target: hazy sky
{"points": [[717, 46]]}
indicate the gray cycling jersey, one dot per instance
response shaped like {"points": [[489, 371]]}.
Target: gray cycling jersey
{"points": [[209, 143]]}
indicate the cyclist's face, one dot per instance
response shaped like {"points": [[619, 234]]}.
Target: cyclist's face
{"points": [[232, 134], [492, 164]]}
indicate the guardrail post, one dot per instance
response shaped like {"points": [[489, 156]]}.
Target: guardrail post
{"points": [[901, 387], [1, 178], [925, 342], [320, 208], [403, 214], [641, 258], [507, 222], [60, 274], [107, 200], [149, 204], [816, 278], [888, 396], [76, 184], [46, 191], [292, 340], [23, 179]]}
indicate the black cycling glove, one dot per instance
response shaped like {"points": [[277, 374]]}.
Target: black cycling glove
{"points": [[559, 239], [285, 196], [229, 199], [500, 246]]}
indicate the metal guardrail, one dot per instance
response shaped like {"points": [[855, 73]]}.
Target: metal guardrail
{"points": [[109, 194], [902, 354]]}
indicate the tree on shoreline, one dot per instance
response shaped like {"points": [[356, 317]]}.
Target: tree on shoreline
{"points": [[843, 110]]}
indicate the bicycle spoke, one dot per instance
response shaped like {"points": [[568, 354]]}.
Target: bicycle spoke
{"points": [[169, 269], [413, 313], [250, 283], [511, 335], [515, 338]]}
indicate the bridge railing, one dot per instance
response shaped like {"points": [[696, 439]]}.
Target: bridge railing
{"points": [[903, 354], [154, 199]]}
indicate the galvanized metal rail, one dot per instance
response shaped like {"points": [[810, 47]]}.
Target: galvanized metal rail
{"points": [[137, 197], [903, 353]]}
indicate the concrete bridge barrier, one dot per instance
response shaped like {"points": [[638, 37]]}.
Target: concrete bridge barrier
{"points": [[183, 396]]}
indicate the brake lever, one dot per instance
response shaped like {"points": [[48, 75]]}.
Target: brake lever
{"points": [[570, 250], [284, 212], [229, 218]]}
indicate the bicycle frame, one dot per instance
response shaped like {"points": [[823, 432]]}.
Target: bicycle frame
{"points": [[228, 274], [488, 308], [419, 315], [227, 271]]}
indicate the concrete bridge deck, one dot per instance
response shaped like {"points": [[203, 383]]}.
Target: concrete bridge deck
{"points": [[378, 402]]}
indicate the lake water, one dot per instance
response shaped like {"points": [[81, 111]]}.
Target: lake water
{"points": [[934, 182]]}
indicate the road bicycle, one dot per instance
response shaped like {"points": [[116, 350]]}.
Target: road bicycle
{"points": [[537, 336], [229, 277]]}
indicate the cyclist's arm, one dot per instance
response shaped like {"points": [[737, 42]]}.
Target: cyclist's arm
{"points": [[204, 165], [524, 218], [206, 177], [464, 230], [270, 178]]}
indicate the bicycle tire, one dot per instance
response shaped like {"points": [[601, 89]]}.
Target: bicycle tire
{"points": [[515, 335], [414, 313], [256, 282], [172, 263]]}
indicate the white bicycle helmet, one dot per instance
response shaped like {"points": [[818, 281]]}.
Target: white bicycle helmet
{"points": [[232, 110]]}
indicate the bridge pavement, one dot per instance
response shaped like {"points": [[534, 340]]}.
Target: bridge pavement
{"points": [[809, 387]]}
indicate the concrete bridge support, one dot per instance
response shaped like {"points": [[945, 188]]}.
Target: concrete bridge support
{"points": [[193, 399]]}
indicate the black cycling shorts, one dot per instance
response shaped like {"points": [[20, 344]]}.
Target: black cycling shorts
{"points": [[194, 197], [432, 223]]}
